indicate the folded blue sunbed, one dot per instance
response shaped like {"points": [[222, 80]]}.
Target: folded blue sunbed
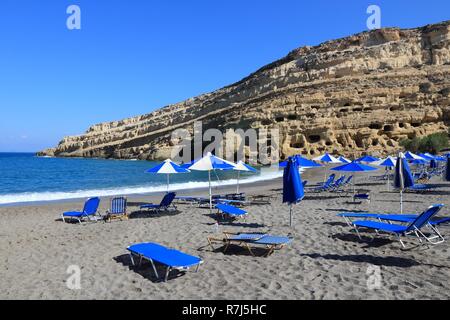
{"points": [[173, 259], [230, 211], [269, 242]]}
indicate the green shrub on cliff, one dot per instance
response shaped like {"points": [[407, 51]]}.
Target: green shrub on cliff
{"points": [[432, 143]]}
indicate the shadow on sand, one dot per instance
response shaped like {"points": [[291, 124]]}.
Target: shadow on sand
{"points": [[146, 270]]}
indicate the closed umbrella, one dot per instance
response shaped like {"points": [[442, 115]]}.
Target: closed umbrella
{"points": [[242, 166], [167, 167], [210, 163], [403, 177], [293, 191], [447, 171]]}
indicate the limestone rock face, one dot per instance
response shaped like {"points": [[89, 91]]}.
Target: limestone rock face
{"points": [[358, 94]]}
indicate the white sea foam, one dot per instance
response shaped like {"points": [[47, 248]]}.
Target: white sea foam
{"points": [[17, 198]]}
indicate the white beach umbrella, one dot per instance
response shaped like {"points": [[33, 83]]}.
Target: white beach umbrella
{"points": [[167, 167], [327, 158], [210, 163], [242, 166]]}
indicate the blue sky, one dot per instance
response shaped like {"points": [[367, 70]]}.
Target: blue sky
{"points": [[134, 56]]}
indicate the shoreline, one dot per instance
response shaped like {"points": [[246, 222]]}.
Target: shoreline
{"points": [[228, 184]]}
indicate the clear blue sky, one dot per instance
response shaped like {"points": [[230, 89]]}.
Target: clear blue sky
{"points": [[134, 56]]}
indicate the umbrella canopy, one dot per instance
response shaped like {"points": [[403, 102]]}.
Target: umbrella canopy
{"points": [[167, 167], [412, 156], [425, 156], [447, 171], [403, 177], [367, 159], [242, 166], [301, 162], [293, 191], [354, 167], [440, 159], [388, 162], [327, 158], [210, 163], [343, 159], [420, 161]]}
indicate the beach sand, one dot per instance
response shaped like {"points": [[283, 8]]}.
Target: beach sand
{"points": [[324, 261]]}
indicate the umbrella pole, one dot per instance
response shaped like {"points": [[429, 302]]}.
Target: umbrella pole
{"points": [[290, 215], [237, 188], [388, 187], [401, 201], [210, 192], [168, 182]]}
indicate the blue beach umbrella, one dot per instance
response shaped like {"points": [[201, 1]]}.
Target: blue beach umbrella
{"points": [[354, 167], [426, 157], [293, 191], [367, 159], [419, 162], [344, 160], [210, 163], [328, 158], [389, 163], [167, 167], [412, 156], [242, 166], [447, 171], [403, 177], [301, 162]]}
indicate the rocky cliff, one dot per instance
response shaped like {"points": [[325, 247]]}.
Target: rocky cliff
{"points": [[357, 94]]}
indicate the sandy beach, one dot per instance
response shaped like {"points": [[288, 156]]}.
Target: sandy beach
{"points": [[324, 261]]}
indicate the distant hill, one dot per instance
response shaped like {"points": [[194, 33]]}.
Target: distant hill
{"points": [[361, 93]]}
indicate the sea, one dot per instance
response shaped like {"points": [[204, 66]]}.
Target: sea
{"points": [[26, 178]]}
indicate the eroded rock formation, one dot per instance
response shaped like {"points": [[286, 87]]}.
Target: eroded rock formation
{"points": [[357, 94]]}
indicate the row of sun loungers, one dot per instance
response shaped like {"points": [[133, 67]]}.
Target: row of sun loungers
{"points": [[332, 185]]}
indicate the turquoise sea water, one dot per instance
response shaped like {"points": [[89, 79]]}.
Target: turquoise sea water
{"points": [[26, 178]]}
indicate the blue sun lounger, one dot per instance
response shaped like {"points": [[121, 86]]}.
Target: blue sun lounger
{"points": [[414, 226], [227, 210], [89, 211], [325, 186], [171, 258], [433, 224], [166, 203], [247, 240]]}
